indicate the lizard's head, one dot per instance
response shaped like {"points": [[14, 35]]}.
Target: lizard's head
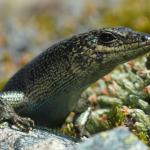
{"points": [[101, 50], [112, 46], [121, 44]]}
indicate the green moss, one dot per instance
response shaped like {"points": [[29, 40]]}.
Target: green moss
{"points": [[143, 137], [116, 117]]}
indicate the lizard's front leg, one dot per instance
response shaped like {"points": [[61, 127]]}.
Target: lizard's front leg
{"points": [[8, 101]]}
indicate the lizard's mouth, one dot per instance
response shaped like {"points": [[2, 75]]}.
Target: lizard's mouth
{"points": [[126, 52], [139, 47]]}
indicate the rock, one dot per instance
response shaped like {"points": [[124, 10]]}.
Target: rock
{"points": [[46, 139], [38, 139], [116, 139]]}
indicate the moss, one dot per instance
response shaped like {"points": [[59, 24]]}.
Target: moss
{"points": [[116, 117]]}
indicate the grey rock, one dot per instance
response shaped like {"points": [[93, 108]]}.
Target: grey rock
{"points": [[117, 139], [46, 139], [38, 139]]}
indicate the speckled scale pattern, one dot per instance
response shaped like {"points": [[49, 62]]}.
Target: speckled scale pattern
{"points": [[52, 82]]}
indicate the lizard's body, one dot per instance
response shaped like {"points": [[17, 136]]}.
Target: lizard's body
{"points": [[50, 85]]}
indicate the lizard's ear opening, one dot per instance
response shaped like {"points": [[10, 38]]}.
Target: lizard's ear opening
{"points": [[106, 37]]}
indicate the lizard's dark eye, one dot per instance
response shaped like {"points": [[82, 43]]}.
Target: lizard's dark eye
{"points": [[106, 38]]}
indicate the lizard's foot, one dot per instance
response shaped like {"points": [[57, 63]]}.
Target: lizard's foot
{"points": [[24, 124], [8, 114]]}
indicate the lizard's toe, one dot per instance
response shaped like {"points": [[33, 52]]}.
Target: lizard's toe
{"points": [[24, 124]]}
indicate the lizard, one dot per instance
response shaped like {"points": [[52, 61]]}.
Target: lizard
{"points": [[46, 89]]}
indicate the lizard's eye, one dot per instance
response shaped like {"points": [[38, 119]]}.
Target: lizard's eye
{"points": [[106, 38]]}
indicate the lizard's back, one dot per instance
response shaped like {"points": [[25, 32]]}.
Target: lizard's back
{"points": [[41, 80]]}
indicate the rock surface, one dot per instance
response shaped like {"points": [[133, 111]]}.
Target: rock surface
{"points": [[117, 139], [38, 139], [44, 139]]}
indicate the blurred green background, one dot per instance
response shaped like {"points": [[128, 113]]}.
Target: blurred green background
{"points": [[29, 27]]}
